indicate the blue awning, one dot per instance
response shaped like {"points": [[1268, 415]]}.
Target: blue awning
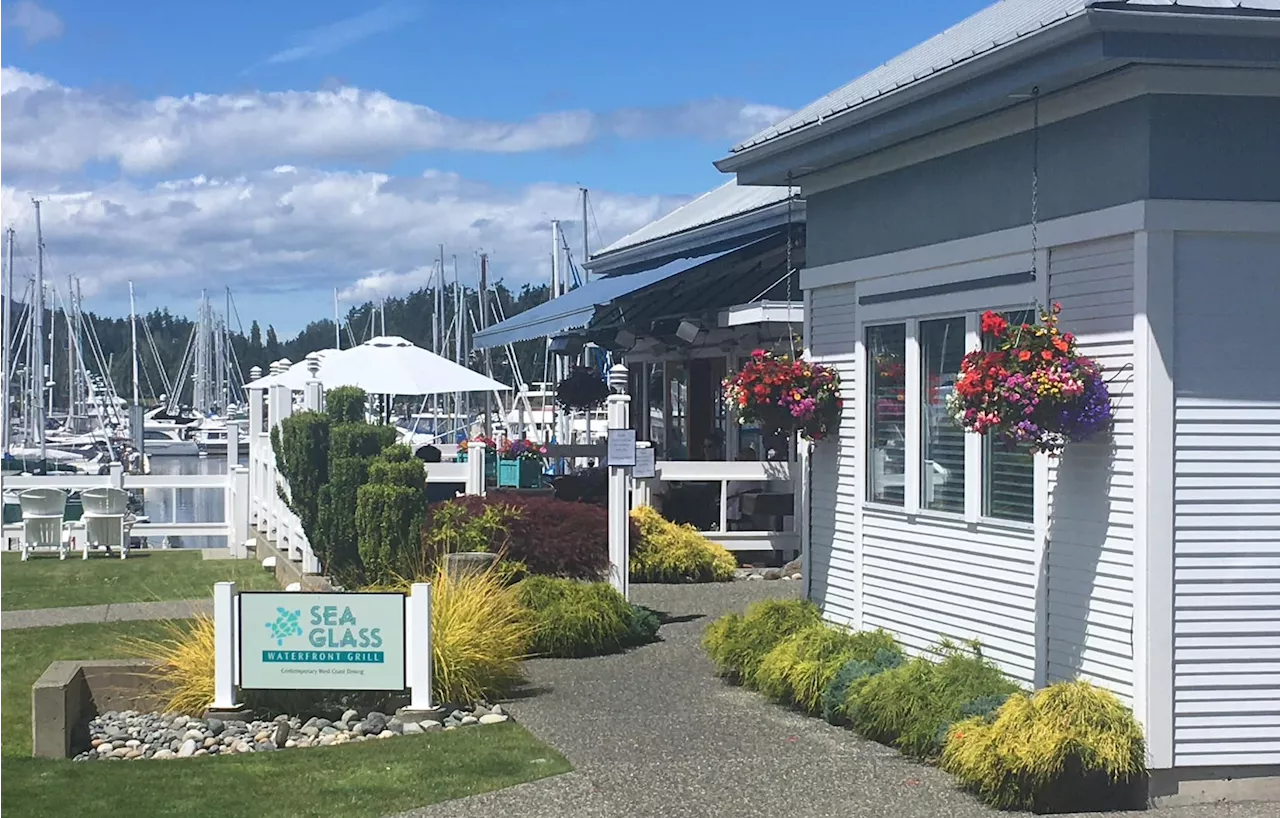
{"points": [[575, 308]]}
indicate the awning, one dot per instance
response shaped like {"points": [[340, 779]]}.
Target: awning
{"points": [[575, 308]]}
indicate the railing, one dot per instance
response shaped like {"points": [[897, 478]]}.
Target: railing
{"points": [[775, 478]]}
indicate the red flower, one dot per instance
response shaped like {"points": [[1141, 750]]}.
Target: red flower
{"points": [[993, 324], [1024, 355], [1047, 354]]}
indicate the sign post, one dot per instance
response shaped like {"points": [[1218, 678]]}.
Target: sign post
{"points": [[622, 454]]}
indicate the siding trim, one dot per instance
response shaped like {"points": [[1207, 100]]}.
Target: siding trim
{"points": [[1153, 602]]}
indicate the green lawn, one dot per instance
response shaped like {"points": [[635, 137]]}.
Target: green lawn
{"points": [[370, 779], [47, 582]]}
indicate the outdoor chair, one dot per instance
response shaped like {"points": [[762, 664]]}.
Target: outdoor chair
{"points": [[105, 524], [42, 521]]}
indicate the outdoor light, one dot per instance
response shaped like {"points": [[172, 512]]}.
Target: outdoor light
{"points": [[688, 331], [566, 345]]}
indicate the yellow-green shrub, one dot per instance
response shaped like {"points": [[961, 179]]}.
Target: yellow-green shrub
{"points": [[1070, 746], [798, 668], [184, 663], [737, 644], [480, 633], [667, 552], [574, 618], [911, 705]]}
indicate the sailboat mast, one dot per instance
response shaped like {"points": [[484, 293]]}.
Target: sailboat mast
{"points": [[133, 333], [37, 336], [586, 248], [484, 323], [69, 312], [337, 322], [6, 367]]}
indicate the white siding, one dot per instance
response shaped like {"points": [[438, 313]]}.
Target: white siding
{"points": [[929, 580], [1089, 564], [833, 522], [1226, 500]]}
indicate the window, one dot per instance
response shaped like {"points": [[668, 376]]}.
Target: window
{"points": [[1008, 475], [942, 346], [887, 396]]}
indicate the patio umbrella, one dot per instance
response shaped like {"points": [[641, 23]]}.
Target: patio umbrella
{"points": [[391, 365]]}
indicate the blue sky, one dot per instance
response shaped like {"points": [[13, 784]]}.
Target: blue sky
{"points": [[287, 148]]}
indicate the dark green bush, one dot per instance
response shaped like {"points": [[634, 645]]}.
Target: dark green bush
{"points": [[576, 619], [345, 404], [851, 676], [390, 510], [337, 544], [737, 644], [799, 668], [302, 456], [359, 439], [908, 705]]}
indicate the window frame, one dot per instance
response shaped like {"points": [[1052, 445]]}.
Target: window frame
{"points": [[911, 313]]}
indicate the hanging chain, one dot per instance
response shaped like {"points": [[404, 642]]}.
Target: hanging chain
{"points": [[791, 334], [1035, 178]]}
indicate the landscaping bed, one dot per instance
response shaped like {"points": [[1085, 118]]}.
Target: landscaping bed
{"points": [[1068, 747]]}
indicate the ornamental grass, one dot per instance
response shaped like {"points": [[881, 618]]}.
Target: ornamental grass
{"points": [[737, 644], [664, 551], [799, 668], [184, 663]]}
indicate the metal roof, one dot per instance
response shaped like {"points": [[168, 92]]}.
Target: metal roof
{"points": [[994, 27], [724, 202]]}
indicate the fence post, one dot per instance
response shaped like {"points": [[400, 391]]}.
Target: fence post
{"points": [[257, 401], [224, 647], [314, 394], [418, 639], [476, 454], [619, 520], [239, 532]]}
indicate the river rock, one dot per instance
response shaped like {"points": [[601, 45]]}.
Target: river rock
{"points": [[492, 718], [215, 727], [349, 716], [395, 725], [375, 722], [430, 726], [187, 749], [282, 733], [163, 754]]}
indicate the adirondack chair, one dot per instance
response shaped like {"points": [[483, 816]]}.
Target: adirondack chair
{"points": [[42, 521], [105, 519]]}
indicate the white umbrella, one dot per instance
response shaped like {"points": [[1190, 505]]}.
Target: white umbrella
{"points": [[392, 366], [295, 377]]}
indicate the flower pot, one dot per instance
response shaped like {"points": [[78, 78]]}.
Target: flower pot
{"points": [[521, 473], [468, 563]]}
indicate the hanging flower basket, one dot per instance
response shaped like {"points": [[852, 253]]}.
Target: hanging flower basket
{"points": [[582, 389], [1033, 388], [779, 393]]}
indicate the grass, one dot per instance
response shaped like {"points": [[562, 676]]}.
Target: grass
{"points": [[372, 779], [356, 781], [45, 582]]}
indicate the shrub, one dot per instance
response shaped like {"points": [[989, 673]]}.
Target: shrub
{"points": [[908, 705], [1070, 746], [337, 544], [583, 618], [551, 537], [798, 668], [184, 663], [345, 404], [302, 455], [737, 644], [390, 509], [480, 633], [666, 552], [359, 439], [452, 527], [849, 680]]}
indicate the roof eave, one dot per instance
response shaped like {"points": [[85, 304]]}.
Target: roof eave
{"points": [[698, 240], [1058, 34]]}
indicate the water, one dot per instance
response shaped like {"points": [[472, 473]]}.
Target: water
{"points": [[187, 505]]}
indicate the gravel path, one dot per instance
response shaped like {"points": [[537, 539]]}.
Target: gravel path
{"points": [[115, 612], [654, 733]]}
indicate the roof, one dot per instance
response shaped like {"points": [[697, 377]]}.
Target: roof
{"points": [[994, 27], [726, 201], [575, 308]]}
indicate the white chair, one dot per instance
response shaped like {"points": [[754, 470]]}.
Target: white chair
{"points": [[42, 521], [105, 509]]}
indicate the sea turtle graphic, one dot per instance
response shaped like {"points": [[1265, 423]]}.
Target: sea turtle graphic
{"points": [[286, 625]]}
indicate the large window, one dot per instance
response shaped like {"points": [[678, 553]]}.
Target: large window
{"points": [[1008, 475], [942, 346], [886, 397]]}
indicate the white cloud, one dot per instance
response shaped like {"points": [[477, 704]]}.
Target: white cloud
{"points": [[304, 230], [37, 23], [332, 38], [52, 129]]}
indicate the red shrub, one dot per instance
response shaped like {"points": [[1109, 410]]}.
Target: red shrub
{"points": [[553, 537]]}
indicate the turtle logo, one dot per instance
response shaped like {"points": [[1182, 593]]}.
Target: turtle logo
{"points": [[286, 625]]}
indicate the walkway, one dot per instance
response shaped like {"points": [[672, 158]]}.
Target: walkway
{"points": [[653, 734], [92, 614]]}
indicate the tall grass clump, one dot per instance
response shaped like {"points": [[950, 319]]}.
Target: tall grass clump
{"points": [[574, 618], [184, 663], [666, 552], [737, 644], [800, 667], [1068, 747], [911, 705]]}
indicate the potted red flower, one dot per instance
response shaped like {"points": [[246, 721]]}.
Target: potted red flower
{"points": [[520, 463], [785, 394]]}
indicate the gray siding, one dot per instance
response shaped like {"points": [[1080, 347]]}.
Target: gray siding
{"points": [[1091, 487], [1226, 500], [1185, 147]]}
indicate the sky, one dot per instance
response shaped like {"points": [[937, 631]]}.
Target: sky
{"points": [[286, 149]]}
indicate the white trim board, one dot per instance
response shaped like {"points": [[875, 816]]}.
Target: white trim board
{"points": [[1150, 214]]}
